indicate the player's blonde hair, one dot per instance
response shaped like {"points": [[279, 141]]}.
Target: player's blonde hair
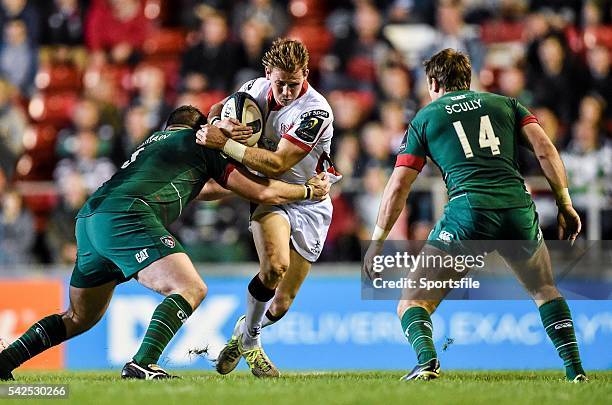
{"points": [[288, 55]]}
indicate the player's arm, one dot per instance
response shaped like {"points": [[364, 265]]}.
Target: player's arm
{"points": [[554, 171], [213, 191], [272, 192], [393, 202], [271, 164]]}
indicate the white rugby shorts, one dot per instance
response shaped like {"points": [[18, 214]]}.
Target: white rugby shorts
{"points": [[309, 222]]}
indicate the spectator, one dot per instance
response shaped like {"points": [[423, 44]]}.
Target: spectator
{"points": [[64, 23], [150, 84], [550, 86], [24, 11], [600, 75], [18, 58], [452, 32], [137, 129], [588, 161], [85, 119], [253, 45], [212, 61], [12, 122], [118, 27], [60, 228], [86, 162], [512, 83], [355, 60], [16, 227], [394, 83], [375, 147], [267, 13]]}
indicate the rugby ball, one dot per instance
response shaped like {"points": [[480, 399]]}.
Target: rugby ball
{"points": [[244, 108]]}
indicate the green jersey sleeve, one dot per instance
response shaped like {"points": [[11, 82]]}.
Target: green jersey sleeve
{"points": [[412, 152], [523, 115]]}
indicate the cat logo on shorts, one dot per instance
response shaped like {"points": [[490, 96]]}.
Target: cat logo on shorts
{"points": [[168, 241]]}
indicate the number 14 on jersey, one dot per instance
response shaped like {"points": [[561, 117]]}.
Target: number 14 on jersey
{"points": [[486, 138]]}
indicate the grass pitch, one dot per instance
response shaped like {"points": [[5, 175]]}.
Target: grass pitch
{"points": [[375, 387]]}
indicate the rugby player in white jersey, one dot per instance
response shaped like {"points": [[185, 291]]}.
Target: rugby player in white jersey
{"points": [[294, 146]]}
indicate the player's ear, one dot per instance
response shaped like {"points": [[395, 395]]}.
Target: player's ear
{"points": [[436, 85], [268, 73], [306, 71]]}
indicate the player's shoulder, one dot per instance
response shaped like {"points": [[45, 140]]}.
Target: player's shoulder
{"points": [[313, 103], [494, 97], [255, 85]]}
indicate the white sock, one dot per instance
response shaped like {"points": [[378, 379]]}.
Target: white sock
{"points": [[256, 308]]}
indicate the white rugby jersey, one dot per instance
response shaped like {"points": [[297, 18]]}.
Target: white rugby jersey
{"points": [[306, 122]]}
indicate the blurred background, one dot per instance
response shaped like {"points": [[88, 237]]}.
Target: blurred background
{"points": [[83, 82]]}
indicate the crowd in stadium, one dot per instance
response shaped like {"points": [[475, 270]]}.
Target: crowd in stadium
{"points": [[83, 82]]}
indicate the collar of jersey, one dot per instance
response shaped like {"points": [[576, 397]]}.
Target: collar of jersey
{"points": [[274, 106], [456, 93]]}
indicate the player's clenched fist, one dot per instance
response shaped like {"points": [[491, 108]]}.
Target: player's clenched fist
{"points": [[320, 186], [211, 137]]}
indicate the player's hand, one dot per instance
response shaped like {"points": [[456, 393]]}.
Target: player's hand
{"points": [[569, 223], [211, 137], [234, 129], [320, 186], [374, 249]]}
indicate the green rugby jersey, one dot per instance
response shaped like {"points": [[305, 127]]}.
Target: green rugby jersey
{"points": [[165, 172], [473, 138]]}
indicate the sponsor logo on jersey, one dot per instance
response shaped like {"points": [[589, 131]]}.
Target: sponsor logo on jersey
{"points": [[309, 128], [445, 236], [315, 113], [142, 256], [563, 325], [168, 241], [284, 128]]}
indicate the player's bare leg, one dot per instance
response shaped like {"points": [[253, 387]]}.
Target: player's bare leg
{"points": [[414, 310], [87, 305], [283, 298], [287, 289], [175, 277], [536, 276], [271, 234]]}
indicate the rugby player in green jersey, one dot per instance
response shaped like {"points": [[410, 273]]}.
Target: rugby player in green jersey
{"points": [[121, 233], [473, 138]]}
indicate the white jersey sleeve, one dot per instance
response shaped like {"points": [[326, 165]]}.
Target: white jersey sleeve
{"points": [[309, 127]]}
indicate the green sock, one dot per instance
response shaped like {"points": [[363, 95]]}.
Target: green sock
{"points": [[46, 333], [418, 328], [558, 323], [167, 319]]}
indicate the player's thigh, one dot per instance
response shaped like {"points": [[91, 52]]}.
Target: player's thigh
{"points": [[271, 234], [291, 283], [87, 306], [535, 274], [131, 240], [174, 274]]}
